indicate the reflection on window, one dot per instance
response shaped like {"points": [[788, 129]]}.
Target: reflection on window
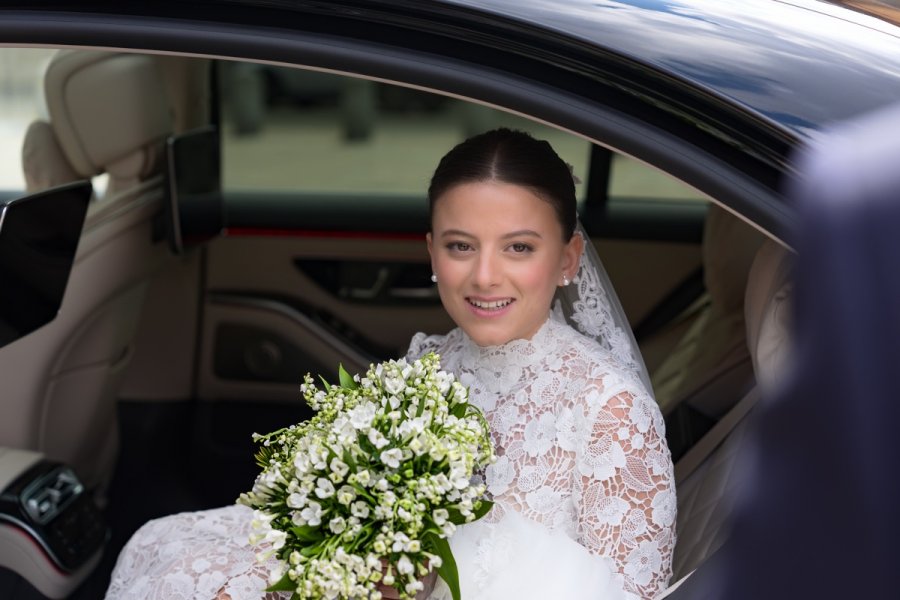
{"points": [[297, 130], [21, 102]]}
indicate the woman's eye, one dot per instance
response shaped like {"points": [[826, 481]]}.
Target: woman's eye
{"points": [[459, 246], [520, 248]]}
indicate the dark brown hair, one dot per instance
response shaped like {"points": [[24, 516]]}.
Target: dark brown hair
{"points": [[510, 156]]}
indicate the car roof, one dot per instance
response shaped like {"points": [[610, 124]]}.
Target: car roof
{"points": [[800, 65], [803, 64]]}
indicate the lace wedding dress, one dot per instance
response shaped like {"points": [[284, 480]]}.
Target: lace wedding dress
{"points": [[583, 488]]}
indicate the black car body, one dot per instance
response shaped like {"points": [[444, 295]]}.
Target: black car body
{"points": [[717, 95]]}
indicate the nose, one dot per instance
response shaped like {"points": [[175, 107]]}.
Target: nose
{"points": [[487, 271]]}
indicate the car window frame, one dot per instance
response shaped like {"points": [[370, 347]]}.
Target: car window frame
{"points": [[686, 158]]}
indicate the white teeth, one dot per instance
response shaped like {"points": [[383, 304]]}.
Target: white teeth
{"points": [[490, 305]]}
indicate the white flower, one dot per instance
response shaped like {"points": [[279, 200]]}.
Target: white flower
{"points": [[337, 525], [459, 477], [405, 566], [414, 586], [312, 514], [440, 516], [540, 434], [276, 538], [400, 542], [377, 438], [363, 478], [297, 499], [324, 488], [302, 463], [362, 416], [339, 468], [346, 495], [394, 385], [359, 509], [392, 457]]}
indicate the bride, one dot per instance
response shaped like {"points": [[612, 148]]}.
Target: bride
{"points": [[583, 486]]}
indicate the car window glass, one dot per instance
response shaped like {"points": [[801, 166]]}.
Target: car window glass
{"points": [[288, 129], [21, 102], [630, 179]]}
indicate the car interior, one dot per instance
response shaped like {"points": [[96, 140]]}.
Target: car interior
{"points": [[165, 358]]}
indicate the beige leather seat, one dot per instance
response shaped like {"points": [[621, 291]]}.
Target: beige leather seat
{"points": [[108, 113], [710, 366], [706, 477]]}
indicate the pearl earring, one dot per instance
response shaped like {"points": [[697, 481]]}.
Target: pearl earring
{"points": [[433, 278], [566, 279]]}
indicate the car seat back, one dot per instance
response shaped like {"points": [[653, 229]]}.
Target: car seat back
{"points": [[109, 113], [708, 475], [711, 362]]}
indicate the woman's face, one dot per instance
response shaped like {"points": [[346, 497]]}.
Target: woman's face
{"points": [[498, 254]]}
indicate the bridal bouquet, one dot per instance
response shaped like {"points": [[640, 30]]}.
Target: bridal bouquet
{"points": [[369, 490]]}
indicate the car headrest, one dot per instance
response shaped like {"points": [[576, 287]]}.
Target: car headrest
{"points": [[43, 162], [767, 313], [729, 246], [110, 112]]}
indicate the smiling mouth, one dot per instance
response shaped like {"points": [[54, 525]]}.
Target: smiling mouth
{"points": [[492, 305]]}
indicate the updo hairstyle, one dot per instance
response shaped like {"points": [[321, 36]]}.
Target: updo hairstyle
{"points": [[514, 157]]}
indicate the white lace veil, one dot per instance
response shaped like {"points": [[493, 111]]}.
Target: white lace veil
{"points": [[590, 305]]}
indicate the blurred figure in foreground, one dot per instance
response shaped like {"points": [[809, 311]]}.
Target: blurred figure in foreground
{"points": [[819, 517]]}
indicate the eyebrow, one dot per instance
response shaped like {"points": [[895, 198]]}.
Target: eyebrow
{"points": [[511, 234]]}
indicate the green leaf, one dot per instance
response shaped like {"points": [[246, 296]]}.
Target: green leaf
{"points": [[307, 533], [346, 379], [459, 411], [455, 516], [448, 570], [325, 384], [348, 460], [285, 584], [485, 508]]}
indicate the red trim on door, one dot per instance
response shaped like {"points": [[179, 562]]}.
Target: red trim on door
{"points": [[310, 233]]}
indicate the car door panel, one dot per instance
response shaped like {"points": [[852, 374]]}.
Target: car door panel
{"points": [[281, 304]]}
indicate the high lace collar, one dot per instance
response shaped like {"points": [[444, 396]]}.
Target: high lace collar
{"points": [[497, 367]]}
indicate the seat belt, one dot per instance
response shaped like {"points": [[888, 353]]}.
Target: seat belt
{"points": [[694, 457]]}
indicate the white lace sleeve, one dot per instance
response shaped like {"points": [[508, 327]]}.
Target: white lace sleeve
{"points": [[627, 491], [193, 556]]}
